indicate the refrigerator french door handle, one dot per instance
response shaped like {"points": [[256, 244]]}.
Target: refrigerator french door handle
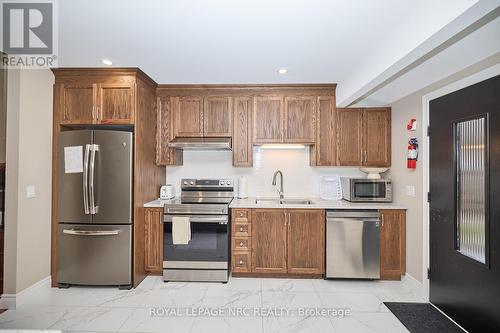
{"points": [[93, 208], [85, 179]]}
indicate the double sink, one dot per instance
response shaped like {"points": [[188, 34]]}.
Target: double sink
{"points": [[283, 202]]}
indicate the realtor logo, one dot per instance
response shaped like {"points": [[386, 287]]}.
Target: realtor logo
{"points": [[28, 33]]}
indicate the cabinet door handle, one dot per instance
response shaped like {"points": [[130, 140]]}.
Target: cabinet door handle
{"points": [[241, 214], [241, 262], [241, 244], [93, 112], [382, 219], [241, 229], [366, 156]]}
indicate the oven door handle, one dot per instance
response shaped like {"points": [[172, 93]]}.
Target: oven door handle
{"points": [[199, 219]]}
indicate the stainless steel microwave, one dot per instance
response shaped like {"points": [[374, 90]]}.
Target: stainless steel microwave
{"points": [[366, 190]]}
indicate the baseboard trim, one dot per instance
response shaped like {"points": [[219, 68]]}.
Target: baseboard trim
{"points": [[11, 301], [414, 285]]}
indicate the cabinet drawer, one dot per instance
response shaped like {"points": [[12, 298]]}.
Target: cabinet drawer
{"points": [[241, 243], [242, 229], [241, 262], [241, 214]]}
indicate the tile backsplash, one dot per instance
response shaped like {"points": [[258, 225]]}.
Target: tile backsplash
{"points": [[300, 179]]}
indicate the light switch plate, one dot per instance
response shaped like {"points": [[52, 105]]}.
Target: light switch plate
{"points": [[30, 191], [410, 190]]}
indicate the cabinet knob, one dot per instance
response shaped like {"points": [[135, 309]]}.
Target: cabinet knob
{"points": [[241, 244], [241, 262], [241, 229], [241, 214]]}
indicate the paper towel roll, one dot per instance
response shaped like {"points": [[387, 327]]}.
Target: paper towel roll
{"points": [[242, 188]]}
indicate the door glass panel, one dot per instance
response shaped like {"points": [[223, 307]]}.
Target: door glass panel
{"points": [[471, 163]]}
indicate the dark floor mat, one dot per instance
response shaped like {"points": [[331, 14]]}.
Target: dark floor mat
{"points": [[422, 318]]}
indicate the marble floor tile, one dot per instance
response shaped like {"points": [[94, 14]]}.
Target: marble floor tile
{"points": [[174, 298], [32, 317], [92, 318], [141, 320], [357, 302], [73, 296], [232, 298], [368, 322], [290, 299], [297, 325], [99, 309], [229, 325], [249, 284], [288, 285]]}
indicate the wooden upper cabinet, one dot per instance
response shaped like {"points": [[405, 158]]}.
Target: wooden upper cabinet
{"points": [[268, 119], [217, 116], [364, 137], [324, 153], [188, 116], [164, 134], [77, 103], [392, 244], [377, 137], [349, 137], [305, 242], [242, 131], [300, 119], [115, 103], [153, 241], [268, 241]]}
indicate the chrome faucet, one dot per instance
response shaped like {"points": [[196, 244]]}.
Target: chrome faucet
{"points": [[280, 191]]}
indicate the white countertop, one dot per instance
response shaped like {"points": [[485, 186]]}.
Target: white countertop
{"points": [[317, 203], [157, 203]]}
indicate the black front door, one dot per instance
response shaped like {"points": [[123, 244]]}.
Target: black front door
{"points": [[465, 205]]}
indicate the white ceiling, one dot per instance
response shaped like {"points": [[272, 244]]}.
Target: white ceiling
{"points": [[246, 41], [484, 43]]}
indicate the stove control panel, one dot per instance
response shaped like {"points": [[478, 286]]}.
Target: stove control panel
{"points": [[207, 183]]}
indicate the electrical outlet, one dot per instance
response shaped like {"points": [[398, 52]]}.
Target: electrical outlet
{"points": [[410, 190], [30, 191]]}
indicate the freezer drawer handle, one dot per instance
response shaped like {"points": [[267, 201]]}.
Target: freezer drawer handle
{"points": [[91, 232]]}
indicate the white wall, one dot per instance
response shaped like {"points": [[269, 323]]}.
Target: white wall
{"points": [[402, 111], [300, 179], [29, 158]]}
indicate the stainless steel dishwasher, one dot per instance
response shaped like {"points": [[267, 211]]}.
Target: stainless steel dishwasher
{"points": [[353, 244]]}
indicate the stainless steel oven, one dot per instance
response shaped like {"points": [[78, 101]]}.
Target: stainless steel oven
{"points": [[366, 190], [206, 256]]}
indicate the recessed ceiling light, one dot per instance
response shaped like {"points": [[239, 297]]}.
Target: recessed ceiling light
{"points": [[107, 62], [282, 71]]}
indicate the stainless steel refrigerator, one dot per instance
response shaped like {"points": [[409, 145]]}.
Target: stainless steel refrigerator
{"points": [[95, 220]]}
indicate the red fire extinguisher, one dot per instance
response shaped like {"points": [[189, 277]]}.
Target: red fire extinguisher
{"points": [[411, 160]]}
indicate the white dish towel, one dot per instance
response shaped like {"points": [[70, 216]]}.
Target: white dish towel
{"points": [[181, 230]]}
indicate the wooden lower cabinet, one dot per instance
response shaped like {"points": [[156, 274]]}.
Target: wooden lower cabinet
{"points": [[392, 244], [305, 241], [278, 242], [269, 231], [153, 240]]}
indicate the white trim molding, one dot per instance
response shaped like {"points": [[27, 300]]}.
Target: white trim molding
{"points": [[457, 85], [12, 301]]}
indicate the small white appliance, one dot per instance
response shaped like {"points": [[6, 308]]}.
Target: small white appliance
{"points": [[330, 188], [167, 192]]}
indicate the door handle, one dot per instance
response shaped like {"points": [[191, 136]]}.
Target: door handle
{"points": [[91, 232], [85, 179], [93, 208]]}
